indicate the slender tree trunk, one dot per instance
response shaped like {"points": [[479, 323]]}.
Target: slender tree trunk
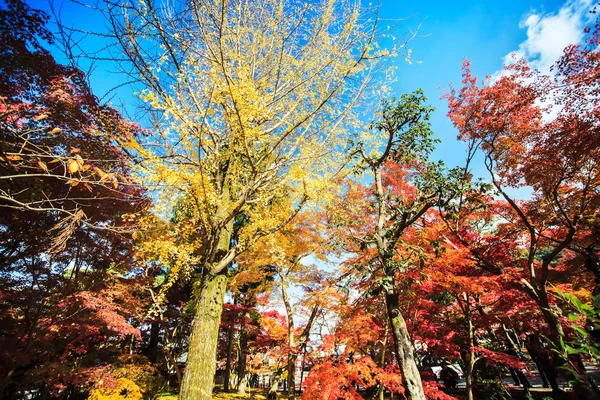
{"points": [[291, 359], [380, 390], [470, 361], [411, 378], [291, 378], [302, 369], [592, 264], [198, 380], [242, 375], [152, 350], [228, 364], [275, 382]]}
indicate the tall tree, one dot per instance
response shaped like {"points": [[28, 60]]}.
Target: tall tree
{"points": [[406, 186], [252, 100]]}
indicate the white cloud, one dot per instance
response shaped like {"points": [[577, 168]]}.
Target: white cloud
{"points": [[549, 33]]}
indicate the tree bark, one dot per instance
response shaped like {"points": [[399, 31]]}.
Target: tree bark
{"points": [[243, 352], [275, 382], [198, 380], [411, 379], [291, 359], [228, 364], [380, 390], [470, 357], [152, 349], [291, 378]]}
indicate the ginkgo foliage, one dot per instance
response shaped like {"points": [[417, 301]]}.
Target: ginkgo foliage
{"points": [[253, 104]]}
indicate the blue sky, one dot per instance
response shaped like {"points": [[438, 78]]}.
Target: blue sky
{"points": [[485, 32]]}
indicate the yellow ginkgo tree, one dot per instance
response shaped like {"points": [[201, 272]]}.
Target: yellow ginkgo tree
{"points": [[253, 103]]}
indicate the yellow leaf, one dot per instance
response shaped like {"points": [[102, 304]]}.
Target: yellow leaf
{"points": [[43, 166], [72, 182], [79, 160], [53, 131], [40, 117], [73, 166], [107, 177]]}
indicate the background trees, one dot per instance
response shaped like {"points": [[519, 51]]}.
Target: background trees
{"points": [[70, 306], [258, 108], [524, 147]]}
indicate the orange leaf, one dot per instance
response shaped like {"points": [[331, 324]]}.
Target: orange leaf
{"points": [[53, 131], [72, 182], [14, 157], [43, 166], [101, 174], [40, 117]]}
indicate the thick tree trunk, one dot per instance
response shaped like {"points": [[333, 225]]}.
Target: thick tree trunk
{"points": [[199, 375], [411, 378]]}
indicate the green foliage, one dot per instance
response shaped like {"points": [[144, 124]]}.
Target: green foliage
{"points": [[583, 318], [408, 119]]}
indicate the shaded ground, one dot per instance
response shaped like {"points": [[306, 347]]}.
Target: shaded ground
{"points": [[537, 391]]}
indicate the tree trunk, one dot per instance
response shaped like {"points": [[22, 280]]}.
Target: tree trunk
{"points": [[380, 390], [275, 382], [152, 349], [229, 351], [291, 359], [411, 379], [243, 353], [470, 359], [291, 378], [198, 380]]}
